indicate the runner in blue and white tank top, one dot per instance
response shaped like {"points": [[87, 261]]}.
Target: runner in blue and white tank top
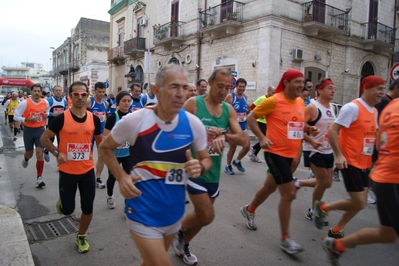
{"points": [[149, 98], [321, 114], [135, 92], [111, 104], [239, 102], [98, 106]]}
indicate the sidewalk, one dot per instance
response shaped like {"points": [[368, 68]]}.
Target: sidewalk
{"points": [[14, 245]]}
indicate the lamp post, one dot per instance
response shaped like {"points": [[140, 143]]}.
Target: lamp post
{"points": [[147, 59]]}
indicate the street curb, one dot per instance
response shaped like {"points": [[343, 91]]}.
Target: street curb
{"points": [[14, 247]]}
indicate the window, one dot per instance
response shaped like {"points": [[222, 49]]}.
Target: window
{"points": [[174, 60], [139, 27]]}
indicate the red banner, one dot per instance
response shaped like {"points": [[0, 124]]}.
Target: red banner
{"points": [[16, 82]]}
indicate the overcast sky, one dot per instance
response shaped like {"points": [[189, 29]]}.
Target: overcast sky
{"points": [[29, 28]]}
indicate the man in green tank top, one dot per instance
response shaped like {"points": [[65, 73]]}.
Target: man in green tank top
{"points": [[219, 118]]}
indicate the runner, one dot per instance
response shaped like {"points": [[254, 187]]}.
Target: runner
{"points": [[10, 106], [217, 116], [356, 124], [385, 179], [285, 115], [155, 203], [319, 113], [75, 127], [123, 101], [33, 112], [239, 102]]}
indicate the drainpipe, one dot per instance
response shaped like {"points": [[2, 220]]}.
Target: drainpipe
{"points": [[199, 49]]}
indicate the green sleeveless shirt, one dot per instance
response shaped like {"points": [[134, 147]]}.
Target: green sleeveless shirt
{"points": [[222, 122]]}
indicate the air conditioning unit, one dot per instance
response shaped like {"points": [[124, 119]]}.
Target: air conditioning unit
{"points": [[143, 22], [298, 55]]}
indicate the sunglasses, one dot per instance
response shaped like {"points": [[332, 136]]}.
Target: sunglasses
{"points": [[77, 94]]}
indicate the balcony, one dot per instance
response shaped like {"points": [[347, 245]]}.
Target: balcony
{"points": [[62, 69], [320, 19], [135, 47], [116, 55], [74, 66], [377, 35], [221, 20], [169, 34]]}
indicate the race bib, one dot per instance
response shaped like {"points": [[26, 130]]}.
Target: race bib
{"points": [[210, 148], [368, 146], [78, 151], [241, 117], [38, 114], [12, 110], [295, 130], [60, 110], [113, 105], [100, 115], [176, 176]]}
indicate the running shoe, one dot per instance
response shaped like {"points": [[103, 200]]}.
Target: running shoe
{"points": [[177, 244], [58, 207], [310, 174], [340, 234], [111, 202], [46, 155], [309, 214], [332, 254], [99, 183], [290, 246], [83, 245], [39, 182], [370, 200], [188, 257], [249, 218], [24, 163], [252, 156], [319, 214], [15, 138], [239, 166], [336, 175], [296, 185], [229, 170]]}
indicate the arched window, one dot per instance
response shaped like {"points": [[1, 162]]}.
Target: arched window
{"points": [[139, 75], [367, 70], [174, 60]]}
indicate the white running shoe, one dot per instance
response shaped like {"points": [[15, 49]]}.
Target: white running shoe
{"points": [[111, 202]]}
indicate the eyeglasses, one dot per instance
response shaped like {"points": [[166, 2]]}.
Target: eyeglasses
{"points": [[77, 94], [309, 87]]}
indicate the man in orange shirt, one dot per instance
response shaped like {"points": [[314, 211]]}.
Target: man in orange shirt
{"points": [[385, 181], [285, 116], [357, 125], [33, 112], [75, 128]]}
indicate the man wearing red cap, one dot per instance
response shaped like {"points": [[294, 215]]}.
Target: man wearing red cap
{"points": [[285, 115], [357, 126]]}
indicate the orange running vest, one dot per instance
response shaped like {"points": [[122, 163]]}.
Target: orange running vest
{"points": [[357, 141], [33, 109], [75, 143]]}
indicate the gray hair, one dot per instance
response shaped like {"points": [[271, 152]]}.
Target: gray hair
{"points": [[159, 78], [14, 93], [222, 70]]}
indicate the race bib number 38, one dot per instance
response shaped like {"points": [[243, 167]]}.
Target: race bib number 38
{"points": [[176, 176], [295, 130], [78, 151]]}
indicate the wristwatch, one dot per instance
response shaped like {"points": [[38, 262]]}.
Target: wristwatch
{"points": [[56, 152]]}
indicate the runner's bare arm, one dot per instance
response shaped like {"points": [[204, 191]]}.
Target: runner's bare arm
{"points": [[229, 98], [191, 105], [340, 160], [106, 152], [200, 166], [253, 125]]}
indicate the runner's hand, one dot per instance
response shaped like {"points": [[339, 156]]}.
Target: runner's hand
{"points": [[265, 143], [313, 131], [192, 166], [341, 162], [218, 144], [127, 188], [315, 143]]}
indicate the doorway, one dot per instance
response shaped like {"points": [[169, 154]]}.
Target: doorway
{"points": [[314, 74]]}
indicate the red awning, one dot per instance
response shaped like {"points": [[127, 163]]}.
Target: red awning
{"points": [[16, 82]]}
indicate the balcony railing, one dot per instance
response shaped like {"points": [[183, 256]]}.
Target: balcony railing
{"points": [[168, 30], [315, 11], [228, 11], [378, 31], [74, 65], [116, 52], [134, 44]]}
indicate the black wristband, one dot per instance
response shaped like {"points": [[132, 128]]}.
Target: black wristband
{"points": [[202, 169]]}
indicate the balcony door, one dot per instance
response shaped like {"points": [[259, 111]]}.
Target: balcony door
{"points": [[314, 74], [226, 8], [373, 14], [174, 18], [319, 11]]}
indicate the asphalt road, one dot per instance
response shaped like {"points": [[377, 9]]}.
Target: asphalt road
{"points": [[226, 241]]}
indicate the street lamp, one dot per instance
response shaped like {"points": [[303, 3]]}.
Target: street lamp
{"points": [[147, 56]]}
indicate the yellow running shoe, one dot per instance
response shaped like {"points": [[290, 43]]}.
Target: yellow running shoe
{"points": [[83, 245]]}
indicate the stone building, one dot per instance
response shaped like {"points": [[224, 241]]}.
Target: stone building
{"points": [[257, 39], [83, 55]]}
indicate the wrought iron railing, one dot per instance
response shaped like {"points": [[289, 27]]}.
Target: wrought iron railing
{"points": [[315, 11], [134, 44], [115, 52], [227, 11], [378, 31], [168, 30]]}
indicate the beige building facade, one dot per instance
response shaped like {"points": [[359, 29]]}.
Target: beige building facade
{"points": [[258, 40]]}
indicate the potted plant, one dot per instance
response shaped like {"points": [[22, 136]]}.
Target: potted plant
{"points": [[308, 15], [232, 16]]}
